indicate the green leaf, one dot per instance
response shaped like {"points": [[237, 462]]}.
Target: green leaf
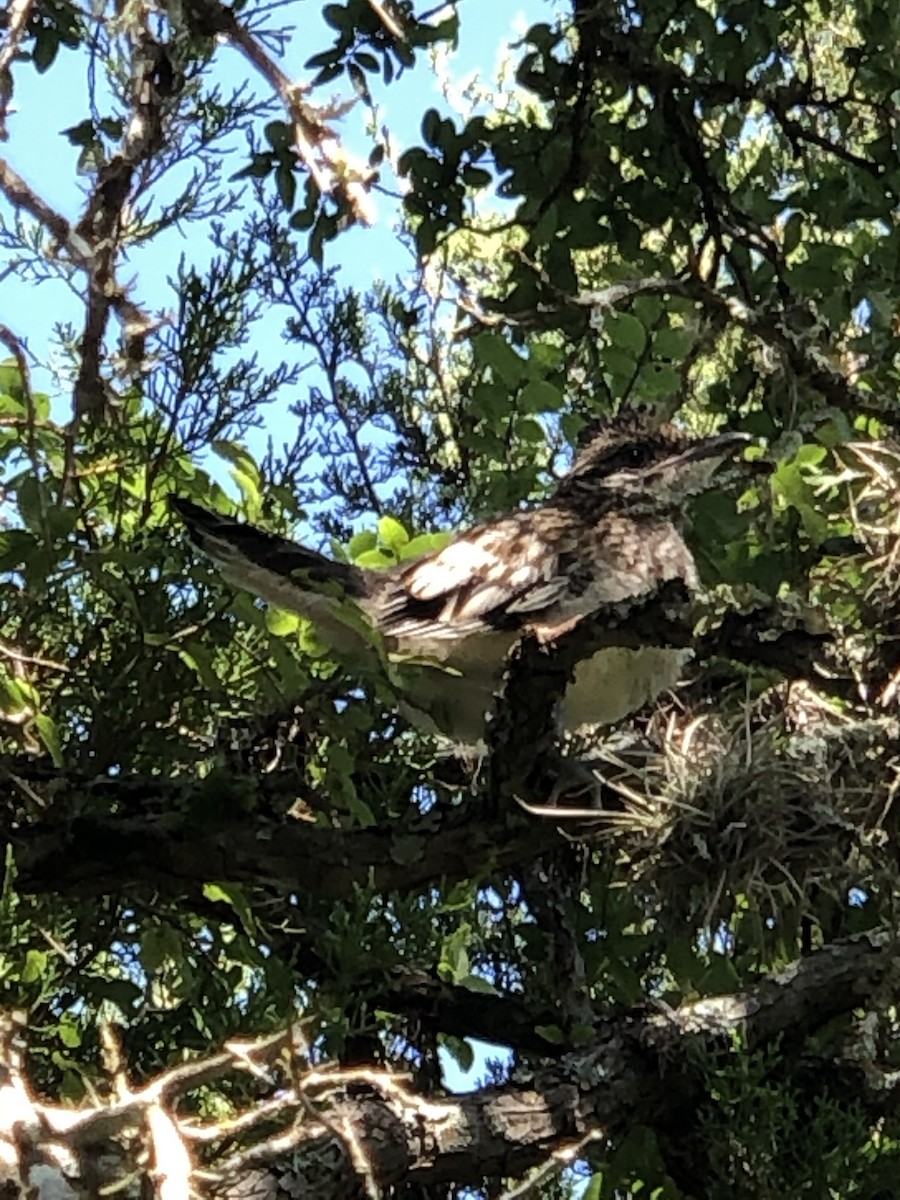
{"points": [[15, 694], [49, 735], [278, 135], [16, 545], [792, 234], [41, 403], [110, 127], [69, 1033], [360, 543], [540, 396], [431, 127], [823, 269], [337, 16], [495, 352], [61, 520], [490, 401], [160, 944], [531, 431], [121, 992], [459, 1050], [236, 898], [619, 364], [595, 1189], [376, 560], [475, 983], [46, 47], [626, 333], [789, 484], [82, 134], [157, 639], [30, 499], [259, 167], [200, 661], [286, 184], [476, 177], [544, 357], [550, 1033], [238, 456], [11, 382], [636, 1158], [682, 960], [35, 966], [658, 379], [281, 623], [391, 533], [720, 978], [358, 809], [454, 963], [425, 543], [674, 342]]}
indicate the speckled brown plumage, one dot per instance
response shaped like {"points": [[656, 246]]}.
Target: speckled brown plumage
{"points": [[609, 533]]}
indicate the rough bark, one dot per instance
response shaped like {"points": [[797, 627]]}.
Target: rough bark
{"points": [[354, 1132]]}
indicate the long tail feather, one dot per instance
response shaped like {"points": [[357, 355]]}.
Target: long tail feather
{"points": [[264, 563]]}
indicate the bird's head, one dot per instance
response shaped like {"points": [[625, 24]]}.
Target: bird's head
{"points": [[630, 464]]}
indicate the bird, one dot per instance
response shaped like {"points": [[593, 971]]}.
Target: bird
{"points": [[443, 624]]}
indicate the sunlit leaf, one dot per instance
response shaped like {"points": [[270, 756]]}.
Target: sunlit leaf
{"points": [[280, 622], [392, 534], [35, 965]]}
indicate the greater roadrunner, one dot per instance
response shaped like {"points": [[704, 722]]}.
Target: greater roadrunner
{"points": [[609, 533]]}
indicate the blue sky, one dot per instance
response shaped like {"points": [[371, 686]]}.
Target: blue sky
{"points": [[47, 161]]}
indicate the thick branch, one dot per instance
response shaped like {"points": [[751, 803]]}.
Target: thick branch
{"points": [[143, 842], [112, 853], [357, 1132]]}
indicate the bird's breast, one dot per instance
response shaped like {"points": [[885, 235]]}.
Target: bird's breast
{"points": [[616, 682]]}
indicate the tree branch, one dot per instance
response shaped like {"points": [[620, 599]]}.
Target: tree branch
{"points": [[334, 171], [81, 855], [136, 324], [522, 736], [356, 1132]]}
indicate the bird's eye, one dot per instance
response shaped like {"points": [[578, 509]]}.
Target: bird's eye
{"points": [[634, 456]]}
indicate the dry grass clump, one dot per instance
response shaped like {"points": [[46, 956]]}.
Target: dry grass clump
{"points": [[870, 471], [869, 596], [767, 812]]}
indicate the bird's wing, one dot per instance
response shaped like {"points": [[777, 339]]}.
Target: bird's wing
{"points": [[492, 575]]}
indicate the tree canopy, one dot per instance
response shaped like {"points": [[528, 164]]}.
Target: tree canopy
{"points": [[253, 921]]}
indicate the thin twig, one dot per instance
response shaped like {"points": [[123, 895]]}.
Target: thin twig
{"points": [[21, 196], [332, 168], [33, 660], [556, 1162]]}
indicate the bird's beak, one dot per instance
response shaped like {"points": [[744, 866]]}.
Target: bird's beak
{"points": [[722, 445], [705, 456], [692, 470]]}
